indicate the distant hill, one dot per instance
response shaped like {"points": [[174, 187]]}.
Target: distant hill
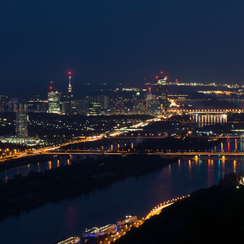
{"points": [[213, 215]]}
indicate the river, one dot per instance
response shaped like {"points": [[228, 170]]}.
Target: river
{"points": [[64, 160], [230, 145], [134, 195]]}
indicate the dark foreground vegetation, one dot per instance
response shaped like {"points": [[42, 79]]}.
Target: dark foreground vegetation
{"points": [[213, 215], [24, 193], [232, 179]]}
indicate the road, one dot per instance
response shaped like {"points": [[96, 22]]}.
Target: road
{"points": [[46, 150], [176, 154]]}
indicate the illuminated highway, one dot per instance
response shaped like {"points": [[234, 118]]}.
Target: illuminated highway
{"points": [[46, 150], [118, 134]]}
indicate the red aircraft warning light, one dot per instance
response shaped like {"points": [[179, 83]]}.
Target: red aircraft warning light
{"points": [[69, 72], [50, 87], [161, 72], [156, 77]]}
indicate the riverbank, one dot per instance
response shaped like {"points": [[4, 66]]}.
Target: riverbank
{"points": [[40, 158], [25, 193], [212, 215], [24, 161], [164, 144]]}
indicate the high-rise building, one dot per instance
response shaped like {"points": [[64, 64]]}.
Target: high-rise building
{"points": [[105, 102], [54, 102], [21, 124], [151, 103], [94, 108], [162, 94], [65, 107], [13, 105], [82, 106]]}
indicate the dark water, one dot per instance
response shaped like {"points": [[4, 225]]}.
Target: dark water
{"points": [[135, 195], [65, 160], [230, 145]]}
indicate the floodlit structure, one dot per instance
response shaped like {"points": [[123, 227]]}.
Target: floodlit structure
{"points": [[162, 93], [54, 102]]}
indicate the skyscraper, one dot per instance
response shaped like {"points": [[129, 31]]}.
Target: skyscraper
{"points": [[21, 124], [162, 93], [54, 102]]}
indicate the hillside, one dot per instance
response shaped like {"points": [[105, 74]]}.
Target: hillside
{"points": [[213, 215]]}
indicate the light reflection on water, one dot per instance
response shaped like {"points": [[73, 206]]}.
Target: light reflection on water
{"points": [[67, 160], [229, 145], [24, 170], [135, 195]]}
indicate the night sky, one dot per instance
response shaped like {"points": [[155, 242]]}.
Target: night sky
{"points": [[128, 41]]}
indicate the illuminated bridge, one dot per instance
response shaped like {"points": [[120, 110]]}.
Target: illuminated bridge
{"points": [[129, 152], [206, 111], [207, 99]]}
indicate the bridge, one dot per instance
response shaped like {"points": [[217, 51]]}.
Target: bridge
{"points": [[149, 152], [207, 99], [206, 111], [161, 137]]}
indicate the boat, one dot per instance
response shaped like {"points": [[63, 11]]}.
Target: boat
{"points": [[96, 232], [70, 240], [128, 219]]}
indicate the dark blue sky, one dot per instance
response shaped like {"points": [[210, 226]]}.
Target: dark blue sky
{"points": [[192, 40]]}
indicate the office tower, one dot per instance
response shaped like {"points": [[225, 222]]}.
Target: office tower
{"points": [[81, 106], [150, 99], [105, 102], [54, 102], [2, 104], [162, 93], [21, 124], [65, 107], [94, 108], [13, 105]]}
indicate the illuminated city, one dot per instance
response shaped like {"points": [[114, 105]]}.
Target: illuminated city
{"points": [[121, 122]]}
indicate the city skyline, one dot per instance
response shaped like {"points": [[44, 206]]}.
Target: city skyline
{"points": [[120, 42], [112, 112]]}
